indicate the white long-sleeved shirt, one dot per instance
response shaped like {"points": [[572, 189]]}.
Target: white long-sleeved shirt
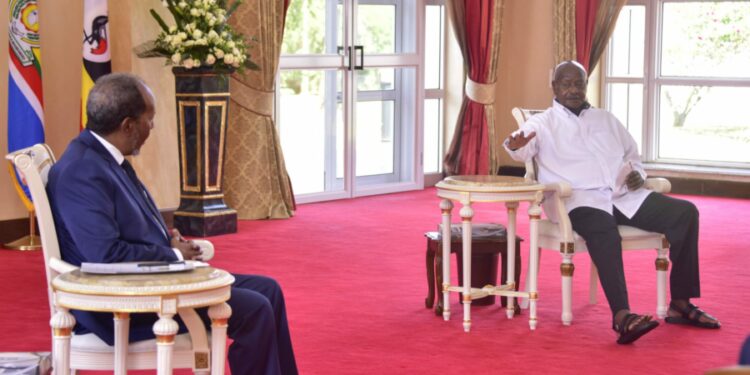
{"points": [[592, 152]]}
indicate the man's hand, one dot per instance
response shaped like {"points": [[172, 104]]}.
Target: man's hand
{"points": [[634, 180], [189, 250], [519, 140]]}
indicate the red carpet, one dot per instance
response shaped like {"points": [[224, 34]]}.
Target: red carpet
{"points": [[354, 276]]}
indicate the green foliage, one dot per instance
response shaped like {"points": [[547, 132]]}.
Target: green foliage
{"points": [[708, 34]]}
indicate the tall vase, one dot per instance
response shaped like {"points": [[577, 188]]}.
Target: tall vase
{"points": [[202, 97]]}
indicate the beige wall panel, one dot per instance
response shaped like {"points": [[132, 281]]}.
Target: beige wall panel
{"points": [[525, 63], [157, 165]]}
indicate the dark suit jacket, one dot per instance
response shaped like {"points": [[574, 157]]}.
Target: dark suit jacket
{"points": [[101, 215]]}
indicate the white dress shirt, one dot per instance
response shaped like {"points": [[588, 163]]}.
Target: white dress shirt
{"points": [[119, 158], [592, 152]]}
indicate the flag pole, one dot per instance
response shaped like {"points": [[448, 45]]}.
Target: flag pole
{"points": [[30, 242]]}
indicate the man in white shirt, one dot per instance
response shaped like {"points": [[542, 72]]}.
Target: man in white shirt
{"points": [[593, 152]]}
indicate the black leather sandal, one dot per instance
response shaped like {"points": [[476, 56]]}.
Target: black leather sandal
{"points": [[691, 315], [644, 324]]}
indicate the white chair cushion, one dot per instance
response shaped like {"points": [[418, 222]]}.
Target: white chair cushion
{"points": [[91, 343], [548, 228]]}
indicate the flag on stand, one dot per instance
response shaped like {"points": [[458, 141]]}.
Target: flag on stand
{"points": [[25, 127], [96, 57]]}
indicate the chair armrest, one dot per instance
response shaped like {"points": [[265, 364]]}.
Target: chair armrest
{"points": [[61, 266], [555, 193], [560, 189], [206, 247], [658, 184]]}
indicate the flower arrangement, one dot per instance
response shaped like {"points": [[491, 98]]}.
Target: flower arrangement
{"points": [[200, 37]]}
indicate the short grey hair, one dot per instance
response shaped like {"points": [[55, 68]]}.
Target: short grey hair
{"points": [[114, 98], [566, 63]]}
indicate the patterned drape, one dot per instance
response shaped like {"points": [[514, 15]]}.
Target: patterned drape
{"points": [[477, 26], [256, 181], [564, 23], [585, 21]]}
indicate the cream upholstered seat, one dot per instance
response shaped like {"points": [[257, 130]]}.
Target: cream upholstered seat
{"points": [[560, 236], [89, 352]]}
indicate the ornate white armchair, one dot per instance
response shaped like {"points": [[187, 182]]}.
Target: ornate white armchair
{"points": [[560, 236], [88, 352]]}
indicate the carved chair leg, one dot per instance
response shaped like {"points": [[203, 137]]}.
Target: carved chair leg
{"points": [[566, 271]]}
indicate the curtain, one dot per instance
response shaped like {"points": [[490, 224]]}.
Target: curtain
{"points": [[256, 181], [477, 27], [582, 29], [585, 21], [606, 18], [564, 18]]}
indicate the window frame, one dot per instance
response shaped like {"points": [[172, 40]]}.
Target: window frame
{"points": [[653, 81]]}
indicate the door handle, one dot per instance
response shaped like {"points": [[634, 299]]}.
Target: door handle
{"points": [[361, 50]]}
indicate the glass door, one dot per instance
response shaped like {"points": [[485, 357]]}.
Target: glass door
{"points": [[347, 105]]}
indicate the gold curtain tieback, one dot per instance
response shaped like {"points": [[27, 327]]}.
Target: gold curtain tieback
{"points": [[482, 93], [253, 100]]}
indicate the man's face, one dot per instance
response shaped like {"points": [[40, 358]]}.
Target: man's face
{"points": [[569, 86], [144, 123]]}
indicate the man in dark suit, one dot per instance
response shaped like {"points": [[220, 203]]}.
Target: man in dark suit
{"points": [[104, 214]]}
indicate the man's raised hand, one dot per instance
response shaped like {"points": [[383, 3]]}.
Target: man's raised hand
{"points": [[519, 140]]}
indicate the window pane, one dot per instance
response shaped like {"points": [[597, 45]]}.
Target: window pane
{"points": [[309, 124], [627, 46], [433, 47], [433, 140], [375, 79], [625, 101], [374, 136], [706, 39], [377, 28], [312, 27], [705, 123]]}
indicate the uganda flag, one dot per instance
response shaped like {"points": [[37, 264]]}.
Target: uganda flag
{"points": [[25, 127], [96, 56]]}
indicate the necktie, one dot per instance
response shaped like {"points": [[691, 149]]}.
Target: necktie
{"points": [[155, 214]]}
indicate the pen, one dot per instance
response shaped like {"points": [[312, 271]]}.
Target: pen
{"points": [[159, 264]]}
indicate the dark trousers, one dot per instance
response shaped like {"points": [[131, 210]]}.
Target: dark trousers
{"points": [[259, 329], [677, 219]]}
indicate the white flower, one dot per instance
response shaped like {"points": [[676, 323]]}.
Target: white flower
{"points": [[197, 34], [211, 22], [176, 58], [219, 53], [230, 44], [229, 58], [213, 35], [194, 12], [210, 59], [182, 35], [235, 51], [188, 63], [172, 29], [220, 18], [182, 4], [224, 34]]}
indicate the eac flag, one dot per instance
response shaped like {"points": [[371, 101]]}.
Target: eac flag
{"points": [[96, 57], [25, 115]]}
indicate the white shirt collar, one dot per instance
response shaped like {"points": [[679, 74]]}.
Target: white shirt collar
{"points": [[116, 154]]}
